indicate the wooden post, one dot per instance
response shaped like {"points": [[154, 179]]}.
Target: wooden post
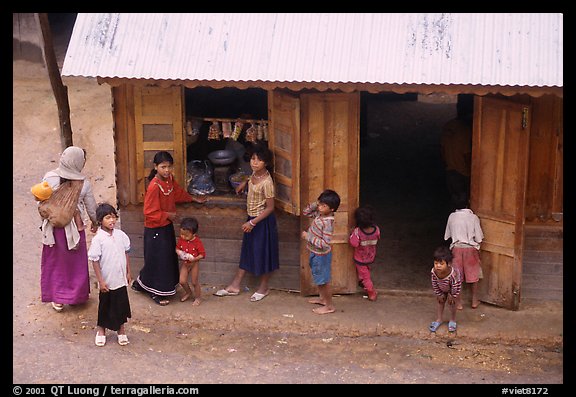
{"points": [[59, 89]]}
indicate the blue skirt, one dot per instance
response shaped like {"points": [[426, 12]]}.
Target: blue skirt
{"points": [[259, 253]]}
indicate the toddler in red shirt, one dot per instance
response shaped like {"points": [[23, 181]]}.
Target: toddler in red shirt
{"points": [[190, 250]]}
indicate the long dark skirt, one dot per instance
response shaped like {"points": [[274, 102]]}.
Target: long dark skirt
{"points": [[113, 308], [259, 253], [160, 273]]}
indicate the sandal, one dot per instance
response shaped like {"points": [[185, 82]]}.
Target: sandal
{"points": [[452, 326], [160, 301], [57, 306], [123, 339], [434, 326], [225, 292], [100, 340]]}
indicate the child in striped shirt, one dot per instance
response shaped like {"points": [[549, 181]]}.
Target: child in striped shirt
{"points": [[446, 284], [318, 239]]}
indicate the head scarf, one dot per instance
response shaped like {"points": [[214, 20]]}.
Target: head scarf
{"points": [[72, 161]]}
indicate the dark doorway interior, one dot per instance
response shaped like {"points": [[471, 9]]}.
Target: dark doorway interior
{"points": [[402, 177]]}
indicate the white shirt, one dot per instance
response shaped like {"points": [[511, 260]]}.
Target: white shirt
{"points": [[110, 250], [463, 227]]}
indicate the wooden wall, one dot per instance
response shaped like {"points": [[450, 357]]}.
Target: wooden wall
{"points": [[543, 259], [219, 229], [544, 194], [125, 140]]}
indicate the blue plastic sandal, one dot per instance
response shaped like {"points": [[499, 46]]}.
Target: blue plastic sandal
{"points": [[434, 326], [452, 326]]}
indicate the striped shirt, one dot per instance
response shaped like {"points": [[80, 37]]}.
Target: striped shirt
{"points": [[257, 195], [451, 284], [320, 231]]}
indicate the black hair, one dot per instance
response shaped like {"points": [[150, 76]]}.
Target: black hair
{"points": [[160, 157], [364, 216], [461, 201], [330, 198], [104, 209], [190, 224], [260, 149], [443, 253]]}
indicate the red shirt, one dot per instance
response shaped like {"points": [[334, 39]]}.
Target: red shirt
{"points": [[194, 246], [161, 198], [364, 245]]}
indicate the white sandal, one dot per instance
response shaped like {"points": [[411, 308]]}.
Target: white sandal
{"points": [[100, 340], [57, 306], [123, 339]]}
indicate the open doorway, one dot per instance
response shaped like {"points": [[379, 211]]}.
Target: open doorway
{"points": [[402, 177]]}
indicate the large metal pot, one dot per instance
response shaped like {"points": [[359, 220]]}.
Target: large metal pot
{"points": [[222, 157]]}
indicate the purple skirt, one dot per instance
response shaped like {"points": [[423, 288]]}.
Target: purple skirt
{"points": [[64, 274]]}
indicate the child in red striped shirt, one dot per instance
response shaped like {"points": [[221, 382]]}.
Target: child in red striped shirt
{"points": [[446, 284]]}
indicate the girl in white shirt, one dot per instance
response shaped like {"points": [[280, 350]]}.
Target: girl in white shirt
{"points": [[109, 255]]}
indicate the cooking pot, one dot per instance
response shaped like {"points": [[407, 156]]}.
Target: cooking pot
{"points": [[222, 157]]}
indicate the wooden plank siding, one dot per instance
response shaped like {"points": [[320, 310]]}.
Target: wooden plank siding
{"points": [[219, 229], [543, 274], [329, 160], [544, 192], [125, 140]]}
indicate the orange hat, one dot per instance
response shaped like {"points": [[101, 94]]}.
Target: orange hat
{"points": [[42, 191]]}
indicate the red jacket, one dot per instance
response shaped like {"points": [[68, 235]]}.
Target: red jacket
{"points": [[159, 201]]}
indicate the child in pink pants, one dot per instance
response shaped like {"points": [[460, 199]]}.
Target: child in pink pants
{"points": [[364, 239]]}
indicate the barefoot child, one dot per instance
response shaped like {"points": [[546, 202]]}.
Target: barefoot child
{"points": [[190, 250], [446, 285], [463, 227], [109, 256], [319, 237]]}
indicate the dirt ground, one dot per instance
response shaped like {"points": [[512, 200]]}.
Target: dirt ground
{"points": [[278, 341]]}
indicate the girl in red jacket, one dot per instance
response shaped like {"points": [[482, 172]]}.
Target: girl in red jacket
{"points": [[160, 274]]}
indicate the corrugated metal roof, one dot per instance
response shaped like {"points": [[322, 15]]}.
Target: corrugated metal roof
{"points": [[481, 49]]}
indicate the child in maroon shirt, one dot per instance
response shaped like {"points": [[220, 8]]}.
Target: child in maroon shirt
{"points": [[364, 239]]}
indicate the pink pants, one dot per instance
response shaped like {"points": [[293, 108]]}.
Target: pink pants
{"points": [[363, 272], [467, 261]]}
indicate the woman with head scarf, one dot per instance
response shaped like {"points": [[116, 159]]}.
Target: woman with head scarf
{"points": [[64, 277]]}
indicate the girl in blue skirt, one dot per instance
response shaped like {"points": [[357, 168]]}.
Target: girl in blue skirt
{"points": [[259, 255]]}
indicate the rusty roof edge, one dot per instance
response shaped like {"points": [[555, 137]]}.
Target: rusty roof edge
{"points": [[348, 87]]}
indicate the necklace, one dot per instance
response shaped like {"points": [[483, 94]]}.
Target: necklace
{"points": [[162, 189], [259, 176]]}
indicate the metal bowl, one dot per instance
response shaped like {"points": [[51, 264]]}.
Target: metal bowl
{"points": [[222, 157]]}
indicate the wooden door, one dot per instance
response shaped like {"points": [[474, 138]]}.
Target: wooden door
{"points": [[284, 116], [158, 119], [498, 188], [329, 159]]}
